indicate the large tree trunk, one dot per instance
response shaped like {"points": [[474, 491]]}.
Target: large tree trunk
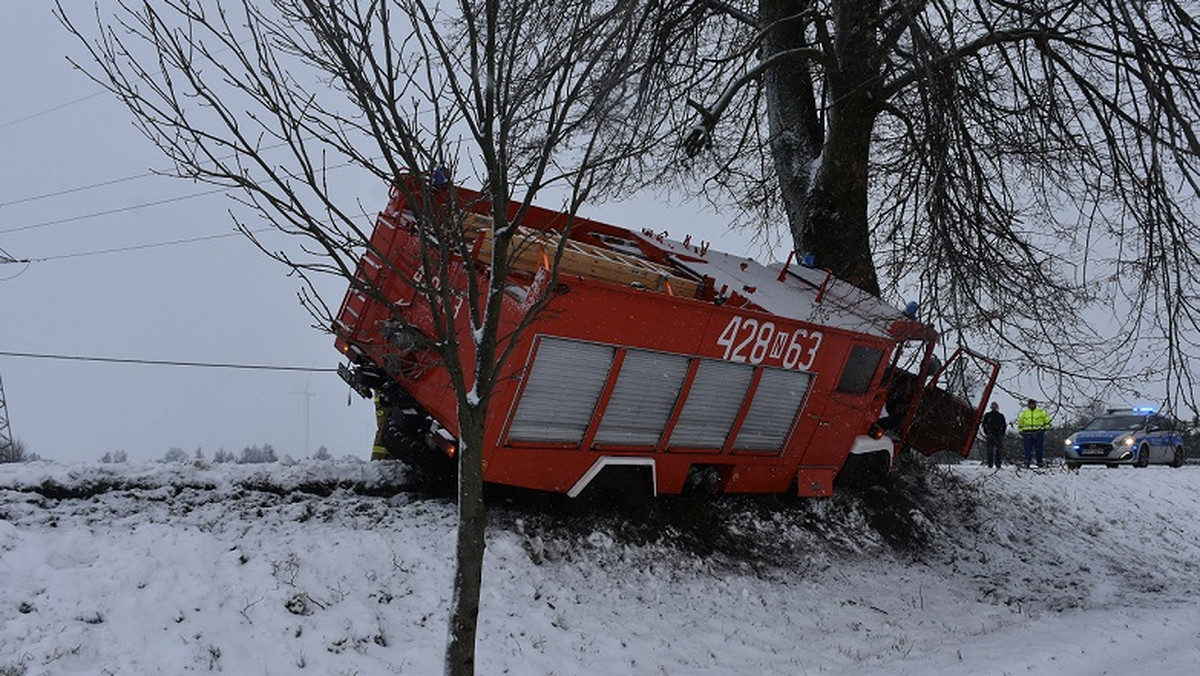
{"points": [[838, 232], [792, 116], [472, 526], [823, 168]]}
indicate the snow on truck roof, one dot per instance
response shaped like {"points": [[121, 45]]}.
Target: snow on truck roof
{"points": [[796, 292]]}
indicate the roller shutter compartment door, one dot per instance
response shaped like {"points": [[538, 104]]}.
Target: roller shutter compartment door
{"points": [[712, 405], [561, 391], [776, 402], [643, 399]]}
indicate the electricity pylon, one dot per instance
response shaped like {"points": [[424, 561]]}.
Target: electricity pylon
{"points": [[8, 450]]}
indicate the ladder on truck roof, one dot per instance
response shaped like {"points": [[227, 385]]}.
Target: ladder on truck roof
{"points": [[532, 248]]}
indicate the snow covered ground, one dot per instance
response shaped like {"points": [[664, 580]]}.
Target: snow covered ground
{"points": [[332, 568]]}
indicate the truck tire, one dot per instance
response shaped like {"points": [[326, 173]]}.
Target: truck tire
{"points": [[861, 471]]}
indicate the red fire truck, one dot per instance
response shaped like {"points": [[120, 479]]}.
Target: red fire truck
{"points": [[666, 362]]}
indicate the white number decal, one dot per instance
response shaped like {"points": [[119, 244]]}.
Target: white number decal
{"points": [[763, 341], [728, 335], [748, 340], [803, 346], [751, 325], [436, 283], [794, 349], [815, 337]]}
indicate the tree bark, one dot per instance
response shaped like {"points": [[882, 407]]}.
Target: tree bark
{"points": [[469, 547], [795, 126], [822, 157]]}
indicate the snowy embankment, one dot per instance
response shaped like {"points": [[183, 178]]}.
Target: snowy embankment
{"points": [[334, 568]]}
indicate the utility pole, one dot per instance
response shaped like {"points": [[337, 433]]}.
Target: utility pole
{"points": [[8, 450]]}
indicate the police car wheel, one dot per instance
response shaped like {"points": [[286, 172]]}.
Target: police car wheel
{"points": [[1143, 458], [1177, 460]]}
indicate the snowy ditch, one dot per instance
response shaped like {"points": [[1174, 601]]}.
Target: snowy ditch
{"points": [[338, 568]]}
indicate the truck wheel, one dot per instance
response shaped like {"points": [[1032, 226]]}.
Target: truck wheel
{"points": [[861, 471], [1177, 459]]}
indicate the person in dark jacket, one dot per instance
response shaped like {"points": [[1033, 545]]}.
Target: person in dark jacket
{"points": [[993, 426]]}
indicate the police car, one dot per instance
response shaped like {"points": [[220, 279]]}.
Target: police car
{"points": [[1126, 436]]}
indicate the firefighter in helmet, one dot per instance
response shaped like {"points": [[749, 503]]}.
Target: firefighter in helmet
{"points": [[383, 415]]}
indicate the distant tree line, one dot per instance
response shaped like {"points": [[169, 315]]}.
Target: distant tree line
{"points": [[248, 456]]}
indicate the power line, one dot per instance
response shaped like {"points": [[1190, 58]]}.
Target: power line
{"points": [[81, 188], [166, 362], [18, 273], [50, 110], [6, 257], [97, 214], [132, 207], [133, 247], [114, 181], [142, 175]]}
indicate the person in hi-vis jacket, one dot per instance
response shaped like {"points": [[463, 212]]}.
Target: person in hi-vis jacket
{"points": [[1032, 423], [383, 412]]}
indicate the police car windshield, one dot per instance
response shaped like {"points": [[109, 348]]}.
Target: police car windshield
{"points": [[1117, 422]]}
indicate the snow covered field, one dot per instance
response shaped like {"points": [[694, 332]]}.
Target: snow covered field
{"points": [[328, 568]]}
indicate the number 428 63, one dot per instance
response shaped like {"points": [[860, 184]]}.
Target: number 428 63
{"points": [[749, 340]]}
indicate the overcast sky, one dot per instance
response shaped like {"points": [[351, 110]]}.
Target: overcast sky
{"points": [[216, 300]]}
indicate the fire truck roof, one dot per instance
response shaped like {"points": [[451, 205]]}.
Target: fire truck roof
{"points": [[796, 292]]}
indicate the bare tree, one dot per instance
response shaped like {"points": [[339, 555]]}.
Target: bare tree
{"points": [[16, 452], [277, 101], [1020, 164]]}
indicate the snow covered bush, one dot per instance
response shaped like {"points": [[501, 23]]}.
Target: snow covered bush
{"points": [[176, 455]]}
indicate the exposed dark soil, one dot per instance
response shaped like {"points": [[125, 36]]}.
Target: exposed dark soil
{"points": [[756, 530]]}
